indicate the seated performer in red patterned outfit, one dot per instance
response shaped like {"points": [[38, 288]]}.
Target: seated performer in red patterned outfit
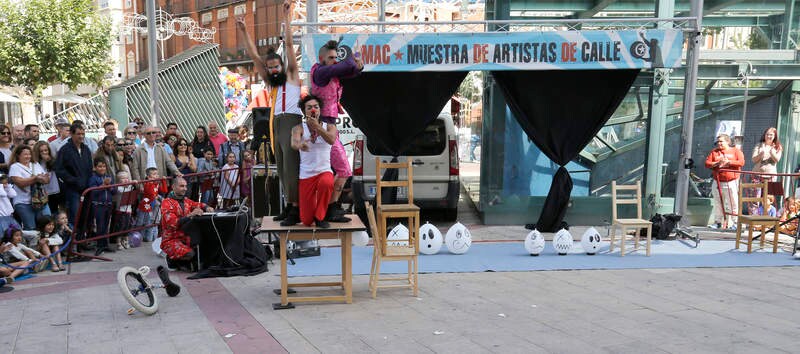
{"points": [[175, 211]]}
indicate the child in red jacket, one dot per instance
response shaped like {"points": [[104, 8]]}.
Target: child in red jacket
{"points": [[149, 205]]}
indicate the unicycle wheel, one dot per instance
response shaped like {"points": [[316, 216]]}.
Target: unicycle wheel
{"points": [[137, 291]]}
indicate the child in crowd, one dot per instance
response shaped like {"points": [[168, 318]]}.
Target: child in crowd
{"points": [[123, 212], [150, 204], [771, 211], [101, 203], [19, 252], [247, 171], [63, 227], [229, 183], [7, 193], [51, 242], [789, 213], [7, 273], [207, 164]]}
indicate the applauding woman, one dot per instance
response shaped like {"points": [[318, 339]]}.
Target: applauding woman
{"points": [[767, 154]]}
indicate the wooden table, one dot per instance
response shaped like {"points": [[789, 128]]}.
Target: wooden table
{"points": [[300, 232]]}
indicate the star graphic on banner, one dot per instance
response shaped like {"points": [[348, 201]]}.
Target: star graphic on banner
{"points": [[398, 55]]}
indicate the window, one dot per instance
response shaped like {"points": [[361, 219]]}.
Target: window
{"points": [[240, 10], [222, 14], [103, 4], [128, 4], [206, 19], [129, 38]]}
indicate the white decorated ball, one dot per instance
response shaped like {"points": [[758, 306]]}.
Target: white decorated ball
{"points": [[590, 241], [562, 242], [430, 239], [458, 239], [534, 242], [398, 236], [360, 238]]}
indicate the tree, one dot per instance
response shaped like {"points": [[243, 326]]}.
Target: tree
{"points": [[46, 42]]}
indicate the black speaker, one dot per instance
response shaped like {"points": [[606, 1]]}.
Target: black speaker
{"points": [[261, 121], [261, 136]]}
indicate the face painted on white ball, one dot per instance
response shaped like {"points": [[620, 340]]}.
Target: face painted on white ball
{"points": [[562, 242], [591, 241], [534, 243], [458, 239], [430, 239], [399, 232]]}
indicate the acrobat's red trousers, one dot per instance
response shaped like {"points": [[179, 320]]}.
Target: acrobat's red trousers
{"points": [[315, 193]]}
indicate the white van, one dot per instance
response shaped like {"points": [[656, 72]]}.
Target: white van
{"points": [[434, 155]]}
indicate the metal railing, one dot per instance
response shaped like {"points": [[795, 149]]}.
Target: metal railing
{"points": [[128, 215], [93, 112], [686, 24]]}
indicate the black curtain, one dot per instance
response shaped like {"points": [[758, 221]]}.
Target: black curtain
{"points": [[391, 108], [561, 110]]}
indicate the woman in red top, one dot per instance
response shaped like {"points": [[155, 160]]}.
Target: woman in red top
{"points": [[725, 188]]}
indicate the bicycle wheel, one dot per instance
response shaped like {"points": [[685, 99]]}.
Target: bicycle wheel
{"points": [[137, 291]]}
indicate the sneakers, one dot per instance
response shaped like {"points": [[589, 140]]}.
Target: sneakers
{"points": [[715, 226], [733, 227], [39, 267]]}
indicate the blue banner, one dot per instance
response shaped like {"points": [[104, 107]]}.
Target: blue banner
{"points": [[566, 50]]}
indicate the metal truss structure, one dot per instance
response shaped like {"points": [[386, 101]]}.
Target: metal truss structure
{"points": [[336, 12]]}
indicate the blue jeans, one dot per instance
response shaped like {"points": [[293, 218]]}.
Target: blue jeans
{"points": [[149, 234], [102, 216], [73, 201], [29, 215]]}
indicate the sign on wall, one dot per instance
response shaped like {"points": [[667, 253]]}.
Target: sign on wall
{"points": [[568, 50]]}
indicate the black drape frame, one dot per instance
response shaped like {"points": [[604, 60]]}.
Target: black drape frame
{"points": [[392, 108], [561, 111]]}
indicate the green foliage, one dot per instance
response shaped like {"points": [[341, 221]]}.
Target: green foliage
{"points": [[470, 87], [45, 42]]}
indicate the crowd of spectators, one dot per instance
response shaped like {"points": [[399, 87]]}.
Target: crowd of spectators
{"points": [[42, 181]]}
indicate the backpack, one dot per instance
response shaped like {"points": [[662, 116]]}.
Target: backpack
{"points": [[663, 225]]}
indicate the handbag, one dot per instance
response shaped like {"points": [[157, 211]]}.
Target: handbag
{"points": [[39, 196]]}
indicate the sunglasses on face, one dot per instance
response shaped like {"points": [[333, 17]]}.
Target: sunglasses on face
{"points": [[183, 144], [149, 133], [130, 133], [5, 133]]}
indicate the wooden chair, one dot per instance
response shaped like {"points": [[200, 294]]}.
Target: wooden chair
{"points": [[761, 221], [407, 211], [632, 194], [383, 251]]}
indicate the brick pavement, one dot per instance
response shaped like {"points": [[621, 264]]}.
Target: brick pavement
{"points": [[637, 310]]}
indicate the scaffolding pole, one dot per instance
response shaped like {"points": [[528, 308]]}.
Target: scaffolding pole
{"points": [[690, 85]]}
